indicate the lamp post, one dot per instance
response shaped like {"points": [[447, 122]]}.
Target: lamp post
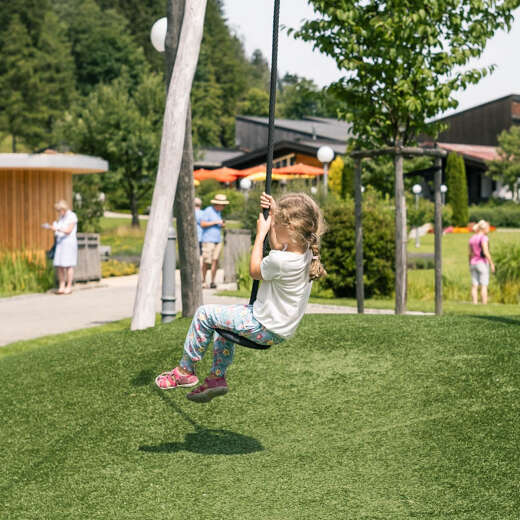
{"points": [[169, 268], [245, 186], [444, 189], [417, 189], [325, 156]]}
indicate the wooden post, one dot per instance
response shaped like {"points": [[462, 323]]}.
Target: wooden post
{"points": [[172, 144], [360, 287], [400, 236], [438, 237], [183, 207]]}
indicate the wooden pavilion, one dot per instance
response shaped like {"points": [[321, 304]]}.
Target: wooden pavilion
{"points": [[30, 184]]}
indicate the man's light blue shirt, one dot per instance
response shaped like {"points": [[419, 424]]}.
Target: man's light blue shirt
{"points": [[198, 213], [211, 233]]}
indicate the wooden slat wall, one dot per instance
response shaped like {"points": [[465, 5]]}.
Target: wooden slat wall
{"points": [[27, 200], [308, 159]]}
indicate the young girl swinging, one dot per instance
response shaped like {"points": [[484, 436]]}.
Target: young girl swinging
{"points": [[294, 226]]}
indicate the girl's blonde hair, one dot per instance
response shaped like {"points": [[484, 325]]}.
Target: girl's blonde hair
{"points": [[481, 225], [302, 216], [61, 204]]}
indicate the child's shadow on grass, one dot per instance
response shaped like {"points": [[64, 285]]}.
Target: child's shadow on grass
{"points": [[209, 442], [203, 440]]}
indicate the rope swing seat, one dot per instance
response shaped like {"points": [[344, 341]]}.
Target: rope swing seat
{"points": [[227, 334]]}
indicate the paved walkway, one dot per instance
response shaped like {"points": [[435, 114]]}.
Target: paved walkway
{"points": [[34, 315]]}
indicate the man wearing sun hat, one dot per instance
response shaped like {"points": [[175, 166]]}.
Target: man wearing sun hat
{"points": [[212, 223]]}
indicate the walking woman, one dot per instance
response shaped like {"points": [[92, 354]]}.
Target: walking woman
{"points": [[66, 253], [480, 261]]}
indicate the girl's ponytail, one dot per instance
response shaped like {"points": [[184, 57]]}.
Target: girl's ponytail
{"points": [[316, 269]]}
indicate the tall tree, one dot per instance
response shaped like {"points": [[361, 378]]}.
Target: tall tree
{"points": [[121, 122], [141, 14], [183, 206], [403, 62], [507, 168], [101, 44], [19, 109], [55, 71]]}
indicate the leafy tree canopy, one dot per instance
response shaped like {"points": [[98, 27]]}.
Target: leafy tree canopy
{"points": [[121, 122], [403, 59], [507, 168]]}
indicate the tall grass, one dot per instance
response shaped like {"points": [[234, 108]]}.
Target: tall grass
{"points": [[24, 271]]}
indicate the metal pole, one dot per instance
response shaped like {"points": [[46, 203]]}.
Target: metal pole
{"points": [[438, 237], [168, 311], [360, 288], [325, 178], [417, 242]]}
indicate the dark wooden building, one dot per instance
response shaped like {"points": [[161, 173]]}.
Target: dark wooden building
{"points": [[481, 125]]}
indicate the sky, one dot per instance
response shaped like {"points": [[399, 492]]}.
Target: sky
{"points": [[252, 22]]}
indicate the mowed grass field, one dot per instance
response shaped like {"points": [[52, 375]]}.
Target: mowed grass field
{"points": [[455, 265], [357, 417]]}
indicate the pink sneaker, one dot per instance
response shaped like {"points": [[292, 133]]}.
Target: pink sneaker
{"points": [[174, 378], [208, 390]]}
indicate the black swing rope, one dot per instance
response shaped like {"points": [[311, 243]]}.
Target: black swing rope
{"points": [[229, 335]]}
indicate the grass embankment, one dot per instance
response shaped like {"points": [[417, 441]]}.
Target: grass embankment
{"points": [[357, 417]]}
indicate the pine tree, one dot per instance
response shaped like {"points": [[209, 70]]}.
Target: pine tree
{"points": [[101, 45], [457, 194], [55, 72], [19, 108]]}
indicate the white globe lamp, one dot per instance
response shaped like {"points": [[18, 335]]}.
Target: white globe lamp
{"points": [[245, 184], [417, 189], [325, 155], [158, 34]]}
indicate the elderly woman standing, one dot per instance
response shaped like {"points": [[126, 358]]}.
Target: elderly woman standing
{"points": [[480, 261], [66, 253]]}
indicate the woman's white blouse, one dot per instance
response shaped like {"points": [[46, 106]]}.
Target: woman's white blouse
{"points": [[66, 254]]}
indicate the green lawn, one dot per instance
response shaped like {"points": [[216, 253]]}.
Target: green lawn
{"points": [[457, 298], [357, 417], [127, 241]]}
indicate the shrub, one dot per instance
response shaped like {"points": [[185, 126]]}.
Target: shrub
{"points": [[117, 268], [425, 212], [507, 263], [235, 208], [457, 188], [501, 215], [338, 247], [25, 271]]}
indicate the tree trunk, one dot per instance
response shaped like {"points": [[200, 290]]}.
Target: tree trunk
{"points": [[133, 209], [191, 280], [172, 144], [13, 140], [400, 237]]}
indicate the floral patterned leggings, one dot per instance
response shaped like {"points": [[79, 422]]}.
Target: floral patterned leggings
{"points": [[236, 318]]}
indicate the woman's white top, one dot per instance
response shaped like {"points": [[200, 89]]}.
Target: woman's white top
{"points": [[66, 254], [284, 291]]}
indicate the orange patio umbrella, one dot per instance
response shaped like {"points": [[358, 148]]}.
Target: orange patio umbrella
{"points": [[250, 171], [220, 175], [301, 169]]}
